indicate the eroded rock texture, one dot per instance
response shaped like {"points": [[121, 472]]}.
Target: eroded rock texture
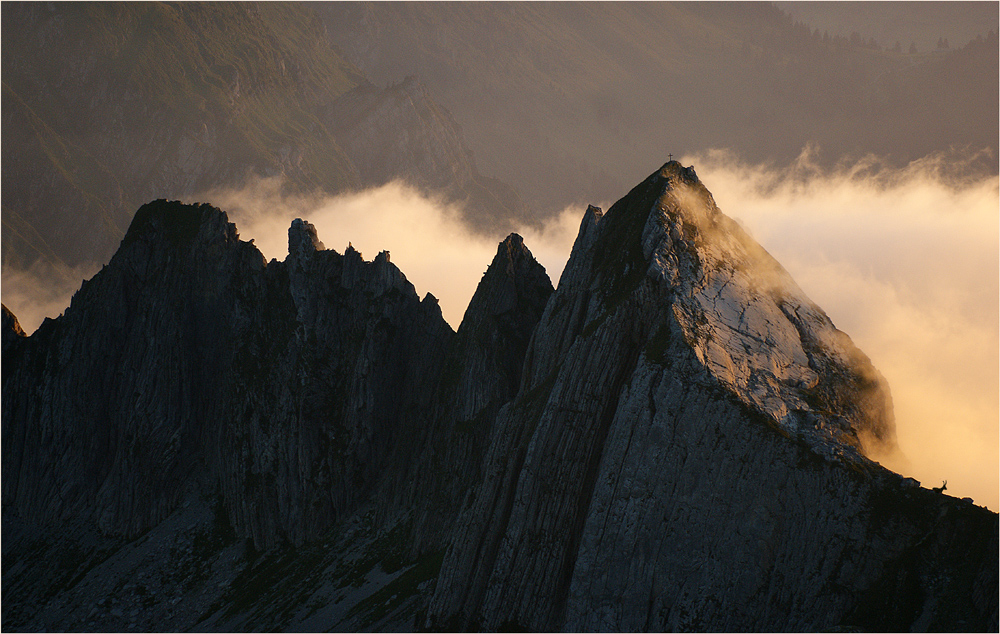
{"points": [[188, 353], [684, 450], [674, 439], [480, 374]]}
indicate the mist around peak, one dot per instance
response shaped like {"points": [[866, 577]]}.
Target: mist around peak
{"points": [[905, 261], [427, 237]]}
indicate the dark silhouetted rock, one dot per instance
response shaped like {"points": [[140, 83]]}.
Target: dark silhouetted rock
{"points": [[685, 452], [674, 439]]}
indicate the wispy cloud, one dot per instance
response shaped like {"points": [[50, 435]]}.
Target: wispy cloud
{"points": [[907, 263], [41, 290], [425, 236]]}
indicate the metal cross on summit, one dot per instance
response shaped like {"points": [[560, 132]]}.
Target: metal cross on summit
{"points": [[670, 157]]}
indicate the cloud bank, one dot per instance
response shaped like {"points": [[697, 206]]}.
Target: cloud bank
{"points": [[41, 290], [426, 238], [906, 262]]}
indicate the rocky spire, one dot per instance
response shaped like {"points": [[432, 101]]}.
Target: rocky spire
{"points": [[481, 373], [682, 401], [675, 424], [303, 239]]}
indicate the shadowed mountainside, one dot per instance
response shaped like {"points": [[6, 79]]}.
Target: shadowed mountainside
{"points": [[672, 439]]}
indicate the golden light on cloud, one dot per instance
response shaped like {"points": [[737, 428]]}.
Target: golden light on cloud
{"points": [[907, 264], [904, 261], [425, 237]]}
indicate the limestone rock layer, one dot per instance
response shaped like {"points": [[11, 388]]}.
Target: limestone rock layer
{"points": [[685, 451], [675, 438]]}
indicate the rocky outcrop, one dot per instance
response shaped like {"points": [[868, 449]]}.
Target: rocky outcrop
{"points": [[685, 449], [481, 372], [484, 366], [188, 354], [11, 328], [674, 439], [190, 379], [327, 390]]}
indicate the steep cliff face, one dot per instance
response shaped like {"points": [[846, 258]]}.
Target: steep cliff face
{"points": [[674, 439], [481, 372], [194, 393], [684, 449], [189, 354], [316, 418]]}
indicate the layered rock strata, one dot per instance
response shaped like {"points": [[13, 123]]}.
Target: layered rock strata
{"points": [[189, 353], [674, 439], [685, 448]]}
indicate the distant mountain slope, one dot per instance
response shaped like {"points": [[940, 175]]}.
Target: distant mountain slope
{"points": [[576, 99], [922, 24], [107, 105]]}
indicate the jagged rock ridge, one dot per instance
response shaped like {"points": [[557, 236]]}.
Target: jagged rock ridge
{"points": [[684, 446], [282, 396], [673, 439], [189, 353]]}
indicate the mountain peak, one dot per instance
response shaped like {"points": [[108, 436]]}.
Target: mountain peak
{"points": [[179, 223], [303, 239], [675, 169], [513, 281], [496, 328], [747, 322], [513, 241], [511, 253], [560, 463], [673, 363], [755, 329]]}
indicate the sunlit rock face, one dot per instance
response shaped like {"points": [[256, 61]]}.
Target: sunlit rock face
{"points": [[685, 448], [753, 328]]}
